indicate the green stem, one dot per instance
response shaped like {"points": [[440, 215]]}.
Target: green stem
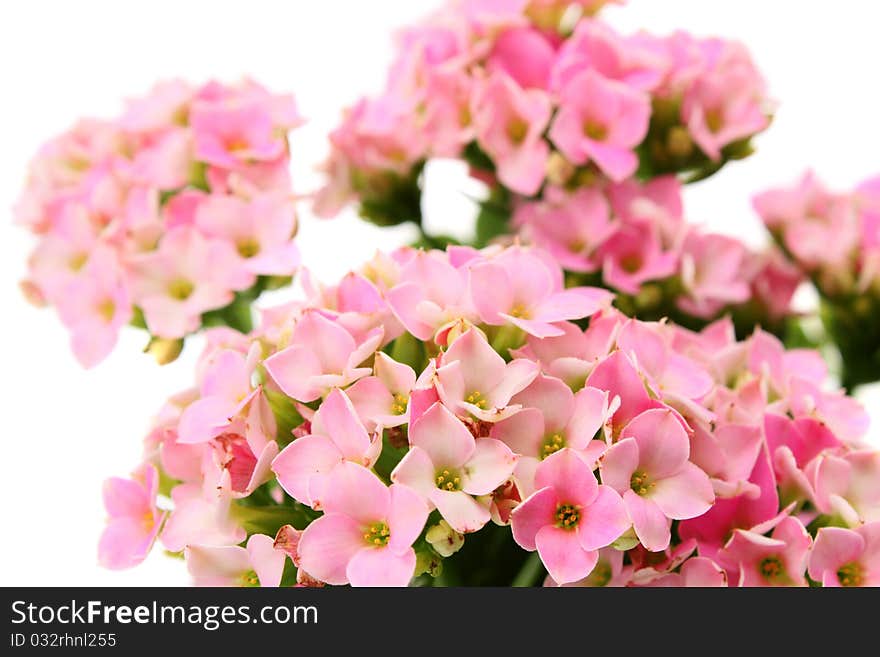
{"points": [[530, 572]]}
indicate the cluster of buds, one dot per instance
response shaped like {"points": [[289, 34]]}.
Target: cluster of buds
{"points": [[632, 238], [534, 94], [834, 238], [174, 215], [438, 415]]}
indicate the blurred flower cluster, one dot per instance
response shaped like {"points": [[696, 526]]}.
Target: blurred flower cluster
{"points": [[834, 239], [541, 94], [388, 429], [173, 215]]}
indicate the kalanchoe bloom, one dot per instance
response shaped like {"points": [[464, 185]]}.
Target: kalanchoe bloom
{"points": [[553, 418], [382, 400], [846, 557], [569, 517], [754, 559], [321, 355], [257, 564], [366, 534], [337, 436], [163, 214], [601, 121], [448, 467], [509, 123], [519, 287], [134, 521], [474, 381], [649, 466]]}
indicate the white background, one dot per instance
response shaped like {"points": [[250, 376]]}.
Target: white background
{"points": [[65, 429]]}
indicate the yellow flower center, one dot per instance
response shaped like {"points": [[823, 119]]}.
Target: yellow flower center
{"points": [[567, 516], [517, 129], [180, 289], [77, 261], [771, 568], [850, 574], [640, 484], [248, 248], [595, 130], [448, 479], [106, 309], [399, 404], [476, 398], [714, 120], [377, 534], [551, 445]]}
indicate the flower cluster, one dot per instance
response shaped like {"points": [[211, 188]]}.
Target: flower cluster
{"points": [[632, 238], [164, 216], [388, 430], [834, 238], [535, 93]]}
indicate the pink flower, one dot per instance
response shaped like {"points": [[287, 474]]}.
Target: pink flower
{"points": [[724, 103], [259, 563], [712, 274], [225, 392], [525, 54], [569, 518], [847, 486], [553, 418], [187, 276], [321, 355], [95, 306], [509, 122], [519, 287], [448, 467], [602, 121], [473, 380], [337, 436], [570, 226], [594, 45], [650, 467], [431, 295], [232, 133], [778, 560], [260, 229], [382, 400], [633, 256], [134, 519], [366, 534], [201, 517], [846, 557]]}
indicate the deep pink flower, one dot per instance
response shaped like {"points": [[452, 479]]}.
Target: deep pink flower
{"points": [[649, 466], [778, 560], [569, 517]]}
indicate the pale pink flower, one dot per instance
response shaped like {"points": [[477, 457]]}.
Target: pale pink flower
{"points": [[634, 255], [509, 122], [336, 436], [569, 517], [448, 467], [570, 226], [519, 287], [847, 486], [472, 379], [712, 274], [201, 516], [382, 400], [525, 54], [754, 559], [650, 467], [185, 277], [321, 355], [366, 534], [134, 519], [846, 557], [601, 121], [259, 563], [260, 229], [553, 418]]}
